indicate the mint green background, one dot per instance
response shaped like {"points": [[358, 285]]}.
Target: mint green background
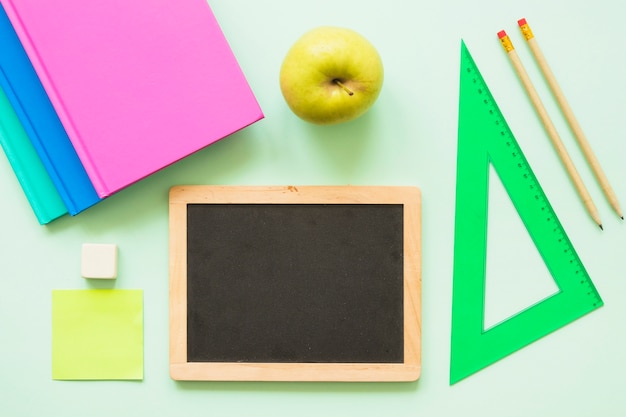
{"points": [[408, 138]]}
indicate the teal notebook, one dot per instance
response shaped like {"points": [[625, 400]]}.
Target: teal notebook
{"points": [[32, 175]]}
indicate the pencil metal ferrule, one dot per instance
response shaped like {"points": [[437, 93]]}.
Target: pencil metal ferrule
{"points": [[526, 31], [506, 41]]}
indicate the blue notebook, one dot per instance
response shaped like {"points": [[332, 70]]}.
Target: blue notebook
{"points": [[30, 172], [41, 123]]}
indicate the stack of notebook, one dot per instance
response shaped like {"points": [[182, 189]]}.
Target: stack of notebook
{"points": [[95, 96]]}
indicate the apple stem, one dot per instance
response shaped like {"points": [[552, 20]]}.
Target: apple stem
{"points": [[340, 84]]}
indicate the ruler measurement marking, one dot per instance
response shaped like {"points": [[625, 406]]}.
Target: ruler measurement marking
{"points": [[522, 163]]}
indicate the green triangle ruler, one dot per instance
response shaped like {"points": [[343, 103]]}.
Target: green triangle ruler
{"points": [[484, 138]]}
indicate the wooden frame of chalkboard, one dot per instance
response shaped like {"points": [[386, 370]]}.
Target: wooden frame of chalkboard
{"points": [[286, 283]]}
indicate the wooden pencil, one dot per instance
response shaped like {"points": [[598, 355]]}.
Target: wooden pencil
{"points": [[570, 117], [550, 129]]}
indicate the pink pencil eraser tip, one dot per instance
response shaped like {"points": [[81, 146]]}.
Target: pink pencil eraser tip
{"points": [[521, 22], [501, 34]]}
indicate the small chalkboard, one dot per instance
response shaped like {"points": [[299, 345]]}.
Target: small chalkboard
{"points": [[295, 283]]}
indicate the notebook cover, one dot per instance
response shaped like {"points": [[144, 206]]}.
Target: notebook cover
{"points": [[30, 172], [137, 84], [41, 123]]}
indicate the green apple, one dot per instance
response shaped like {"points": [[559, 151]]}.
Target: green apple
{"points": [[331, 75]]}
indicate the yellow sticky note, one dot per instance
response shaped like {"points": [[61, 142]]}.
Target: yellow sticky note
{"points": [[97, 334]]}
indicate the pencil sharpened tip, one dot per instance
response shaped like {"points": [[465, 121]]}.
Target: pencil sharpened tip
{"points": [[601, 228]]}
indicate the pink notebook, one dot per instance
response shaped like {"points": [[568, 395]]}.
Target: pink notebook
{"points": [[137, 84]]}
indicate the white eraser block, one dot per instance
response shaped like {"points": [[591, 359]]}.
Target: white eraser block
{"points": [[99, 260]]}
